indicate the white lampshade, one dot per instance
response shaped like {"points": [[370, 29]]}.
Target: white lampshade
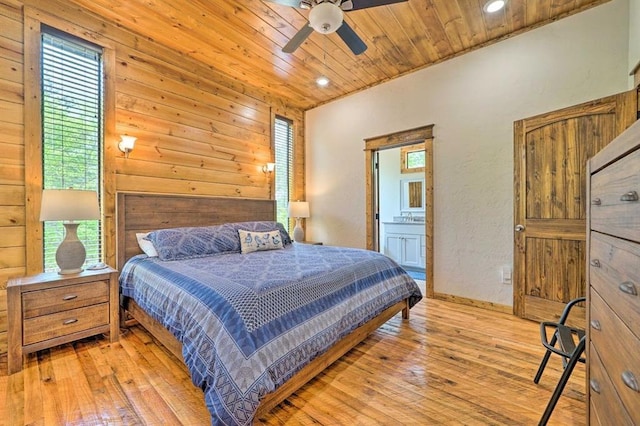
{"points": [[69, 204], [127, 143], [326, 17], [269, 167], [298, 209]]}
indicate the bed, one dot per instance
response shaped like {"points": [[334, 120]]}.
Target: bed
{"points": [[248, 342]]}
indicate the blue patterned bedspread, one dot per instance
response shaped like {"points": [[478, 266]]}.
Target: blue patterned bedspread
{"points": [[249, 322]]}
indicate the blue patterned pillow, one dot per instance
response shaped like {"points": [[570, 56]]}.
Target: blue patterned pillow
{"points": [[190, 242], [251, 241], [185, 243]]}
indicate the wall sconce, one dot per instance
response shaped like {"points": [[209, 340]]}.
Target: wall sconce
{"points": [[127, 144], [268, 168]]}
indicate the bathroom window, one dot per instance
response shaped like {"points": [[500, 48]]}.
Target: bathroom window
{"points": [[412, 158]]}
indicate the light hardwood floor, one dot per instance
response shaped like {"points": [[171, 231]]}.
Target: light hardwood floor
{"points": [[449, 364]]}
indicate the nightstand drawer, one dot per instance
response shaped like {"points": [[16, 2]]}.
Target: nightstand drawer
{"points": [[48, 327], [52, 300], [50, 309]]}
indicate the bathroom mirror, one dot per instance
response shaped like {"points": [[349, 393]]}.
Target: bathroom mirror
{"points": [[412, 195]]}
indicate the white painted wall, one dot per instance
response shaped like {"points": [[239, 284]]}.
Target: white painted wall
{"points": [[634, 35], [389, 165], [473, 101]]}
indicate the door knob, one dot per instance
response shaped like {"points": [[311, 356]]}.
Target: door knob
{"points": [[519, 228]]}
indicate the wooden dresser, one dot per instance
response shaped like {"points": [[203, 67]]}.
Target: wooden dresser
{"points": [[50, 309], [613, 270]]}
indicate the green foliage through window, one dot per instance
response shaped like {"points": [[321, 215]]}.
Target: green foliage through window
{"points": [[284, 167], [71, 131], [415, 159]]}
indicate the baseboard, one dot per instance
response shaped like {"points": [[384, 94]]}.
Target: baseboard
{"points": [[472, 302]]}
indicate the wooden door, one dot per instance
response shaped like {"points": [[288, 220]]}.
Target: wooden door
{"points": [[551, 152]]}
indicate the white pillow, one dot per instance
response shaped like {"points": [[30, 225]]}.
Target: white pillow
{"points": [[146, 245], [251, 241]]}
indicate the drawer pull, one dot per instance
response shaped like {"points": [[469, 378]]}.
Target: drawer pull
{"points": [[596, 201], [594, 385], [595, 263], [629, 196], [629, 288], [595, 324], [630, 380], [70, 297], [69, 321]]}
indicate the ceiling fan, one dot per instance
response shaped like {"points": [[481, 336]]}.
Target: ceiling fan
{"points": [[327, 16]]}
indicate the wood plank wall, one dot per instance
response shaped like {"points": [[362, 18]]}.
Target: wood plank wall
{"points": [[199, 132]]}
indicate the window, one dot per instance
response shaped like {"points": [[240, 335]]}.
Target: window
{"points": [[412, 158], [415, 159], [283, 145], [72, 107]]}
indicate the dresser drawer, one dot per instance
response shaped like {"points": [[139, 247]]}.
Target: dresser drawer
{"points": [[618, 349], [58, 299], [605, 404], [615, 208], [615, 274], [59, 324]]}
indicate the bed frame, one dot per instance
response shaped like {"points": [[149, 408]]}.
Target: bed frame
{"points": [[144, 212]]}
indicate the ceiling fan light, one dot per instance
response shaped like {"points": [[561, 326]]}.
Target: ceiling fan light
{"points": [[325, 18], [494, 5], [322, 81]]}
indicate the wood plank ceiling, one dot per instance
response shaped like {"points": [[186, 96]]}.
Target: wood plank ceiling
{"points": [[244, 38]]}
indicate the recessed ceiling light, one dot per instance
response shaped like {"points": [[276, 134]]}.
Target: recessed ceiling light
{"points": [[494, 5], [322, 81]]}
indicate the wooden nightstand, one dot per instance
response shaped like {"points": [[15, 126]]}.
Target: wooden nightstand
{"points": [[50, 309], [313, 243]]}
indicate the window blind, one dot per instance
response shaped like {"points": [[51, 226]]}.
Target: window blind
{"points": [[284, 167], [71, 131]]}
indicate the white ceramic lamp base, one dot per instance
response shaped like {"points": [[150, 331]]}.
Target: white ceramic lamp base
{"points": [[298, 232], [71, 253]]}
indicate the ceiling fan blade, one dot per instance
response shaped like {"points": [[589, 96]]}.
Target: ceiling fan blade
{"points": [[297, 39], [292, 3], [352, 39], [364, 4]]}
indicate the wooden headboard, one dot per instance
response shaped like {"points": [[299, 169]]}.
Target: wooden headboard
{"points": [[144, 212]]}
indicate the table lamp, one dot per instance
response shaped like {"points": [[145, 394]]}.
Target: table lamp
{"points": [[69, 205], [298, 209]]}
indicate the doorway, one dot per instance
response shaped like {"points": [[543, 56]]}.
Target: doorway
{"points": [[422, 136]]}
